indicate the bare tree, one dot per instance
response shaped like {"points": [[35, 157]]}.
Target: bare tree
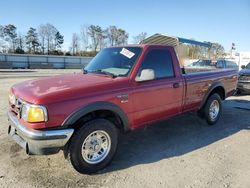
{"points": [[42, 34], [3, 45], [85, 37], [75, 43], [112, 34], [116, 36], [122, 37], [47, 34], [217, 50], [140, 37]]}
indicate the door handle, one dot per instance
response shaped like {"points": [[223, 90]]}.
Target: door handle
{"points": [[176, 85]]}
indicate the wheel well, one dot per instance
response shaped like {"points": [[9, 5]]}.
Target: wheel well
{"points": [[220, 91], [105, 114]]}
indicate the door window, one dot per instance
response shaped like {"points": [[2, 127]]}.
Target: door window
{"points": [[160, 61]]}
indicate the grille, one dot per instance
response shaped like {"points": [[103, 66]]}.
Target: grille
{"points": [[16, 108], [244, 78]]}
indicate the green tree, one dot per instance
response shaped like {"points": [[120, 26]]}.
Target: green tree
{"points": [[10, 35], [20, 44], [97, 35], [59, 39], [32, 40]]}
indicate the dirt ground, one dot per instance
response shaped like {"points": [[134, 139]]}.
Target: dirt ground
{"points": [[180, 152]]}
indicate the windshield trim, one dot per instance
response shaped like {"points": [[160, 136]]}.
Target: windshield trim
{"points": [[248, 66]]}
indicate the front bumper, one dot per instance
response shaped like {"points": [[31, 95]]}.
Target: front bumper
{"points": [[38, 141], [244, 86]]}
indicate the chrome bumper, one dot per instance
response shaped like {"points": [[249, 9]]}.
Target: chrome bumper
{"points": [[38, 141]]}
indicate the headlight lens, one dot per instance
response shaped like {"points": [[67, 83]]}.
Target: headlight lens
{"points": [[34, 113]]}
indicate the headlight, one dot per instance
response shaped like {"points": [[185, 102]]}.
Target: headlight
{"points": [[34, 113]]}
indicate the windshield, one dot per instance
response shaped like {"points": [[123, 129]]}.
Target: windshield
{"points": [[248, 66], [202, 63], [117, 61]]}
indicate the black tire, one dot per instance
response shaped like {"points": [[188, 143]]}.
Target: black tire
{"points": [[75, 146], [210, 118]]}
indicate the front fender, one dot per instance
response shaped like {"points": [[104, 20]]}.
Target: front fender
{"points": [[76, 115]]}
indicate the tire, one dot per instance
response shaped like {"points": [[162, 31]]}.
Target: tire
{"points": [[213, 109], [94, 139]]}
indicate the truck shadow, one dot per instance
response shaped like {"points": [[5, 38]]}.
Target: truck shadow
{"points": [[175, 137]]}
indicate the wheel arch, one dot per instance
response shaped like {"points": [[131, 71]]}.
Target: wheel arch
{"points": [[98, 109], [216, 87]]}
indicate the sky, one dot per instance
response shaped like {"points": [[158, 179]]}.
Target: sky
{"points": [[221, 21]]}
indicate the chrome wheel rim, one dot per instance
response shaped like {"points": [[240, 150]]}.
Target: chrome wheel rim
{"points": [[96, 147], [214, 109]]}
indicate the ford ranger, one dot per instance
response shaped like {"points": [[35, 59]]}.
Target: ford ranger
{"points": [[121, 89]]}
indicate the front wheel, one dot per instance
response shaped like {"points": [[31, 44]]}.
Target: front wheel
{"points": [[213, 109], [93, 146]]}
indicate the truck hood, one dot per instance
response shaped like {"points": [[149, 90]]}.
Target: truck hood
{"points": [[244, 72], [64, 87]]}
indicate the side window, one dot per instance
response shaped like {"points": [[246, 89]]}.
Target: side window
{"points": [[219, 64], [160, 61]]}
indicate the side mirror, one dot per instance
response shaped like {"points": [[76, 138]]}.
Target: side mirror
{"points": [[243, 66], [146, 75]]}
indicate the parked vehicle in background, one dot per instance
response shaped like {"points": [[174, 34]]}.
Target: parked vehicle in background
{"points": [[224, 63], [203, 63], [244, 79]]}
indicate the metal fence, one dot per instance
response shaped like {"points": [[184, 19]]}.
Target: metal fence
{"points": [[25, 61]]}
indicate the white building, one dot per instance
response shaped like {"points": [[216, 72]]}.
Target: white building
{"points": [[244, 58], [241, 58]]}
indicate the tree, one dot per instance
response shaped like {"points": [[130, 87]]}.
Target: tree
{"points": [[59, 39], [140, 37], [218, 50], [116, 36], [20, 44], [97, 35], [47, 33], [85, 37], [32, 40], [122, 37], [2, 40], [75, 43], [10, 35], [42, 34], [112, 34]]}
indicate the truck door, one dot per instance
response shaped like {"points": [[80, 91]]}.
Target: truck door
{"points": [[160, 97]]}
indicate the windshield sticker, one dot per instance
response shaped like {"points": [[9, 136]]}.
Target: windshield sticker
{"points": [[127, 53]]}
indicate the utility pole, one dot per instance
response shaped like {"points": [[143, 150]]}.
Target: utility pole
{"points": [[232, 48]]}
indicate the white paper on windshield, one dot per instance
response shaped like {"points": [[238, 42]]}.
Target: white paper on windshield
{"points": [[127, 53]]}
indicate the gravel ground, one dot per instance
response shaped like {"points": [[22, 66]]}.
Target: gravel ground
{"points": [[180, 152]]}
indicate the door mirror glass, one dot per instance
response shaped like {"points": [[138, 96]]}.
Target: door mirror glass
{"points": [[146, 75]]}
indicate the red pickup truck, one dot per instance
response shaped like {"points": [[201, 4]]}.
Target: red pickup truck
{"points": [[121, 89]]}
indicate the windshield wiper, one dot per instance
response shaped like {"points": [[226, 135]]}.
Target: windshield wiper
{"points": [[104, 72], [84, 71]]}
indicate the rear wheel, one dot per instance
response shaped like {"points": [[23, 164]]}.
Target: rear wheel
{"points": [[93, 146], [213, 109]]}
